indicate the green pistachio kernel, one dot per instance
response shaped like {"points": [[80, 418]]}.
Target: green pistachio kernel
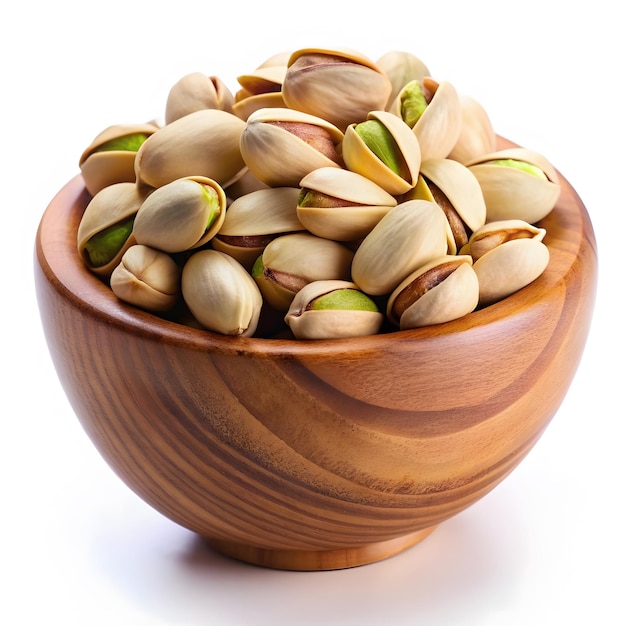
{"points": [[128, 143], [258, 268], [344, 300], [213, 203], [412, 103], [525, 166], [104, 246], [380, 141]]}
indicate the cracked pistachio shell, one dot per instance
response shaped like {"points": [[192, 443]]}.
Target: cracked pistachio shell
{"points": [[439, 126], [221, 294], [408, 236], [442, 290], [181, 215], [147, 278], [508, 255], [111, 211], [512, 193], [455, 189], [260, 89], [106, 160], [477, 136], [194, 92], [344, 205], [202, 143], [404, 151], [349, 318], [401, 67], [280, 146], [340, 85], [290, 262], [254, 219]]}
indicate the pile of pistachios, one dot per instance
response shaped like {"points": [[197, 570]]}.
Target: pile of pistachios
{"points": [[329, 196]]}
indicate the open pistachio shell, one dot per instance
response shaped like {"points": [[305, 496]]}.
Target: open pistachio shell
{"points": [[260, 89], [344, 205], [181, 215], [401, 67], [477, 136], [396, 174], [194, 92], [348, 316], [147, 278], [107, 160], [338, 85], [408, 236], [105, 228], [443, 289], [202, 143], [221, 294], [514, 193], [253, 220], [280, 146]]}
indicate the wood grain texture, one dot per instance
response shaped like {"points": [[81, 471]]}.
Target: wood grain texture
{"points": [[315, 455]]}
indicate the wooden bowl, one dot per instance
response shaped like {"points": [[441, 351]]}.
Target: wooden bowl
{"points": [[315, 455]]}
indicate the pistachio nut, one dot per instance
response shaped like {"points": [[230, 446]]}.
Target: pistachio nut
{"points": [[517, 183], [194, 92], [341, 86], [331, 309], [408, 236], [442, 290], [221, 294], [110, 157], [290, 262], [202, 143], [508, 255], [433, 110], [181, 215], [147, 278], [280, 146], [105, 229], [477, 136], [340, 204], [255, 219], [401, 67], [260, 89], [383, 149]]}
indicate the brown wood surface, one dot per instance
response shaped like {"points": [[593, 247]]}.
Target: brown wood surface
{"points": [[315, 455]]}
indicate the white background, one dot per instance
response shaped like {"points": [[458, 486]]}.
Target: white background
{"points": [[77, 547]]}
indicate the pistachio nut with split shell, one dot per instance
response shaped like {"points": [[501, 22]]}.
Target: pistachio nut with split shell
{"points": [[105, 230], [255, 219], [401, 67], [340, 204], [442, 290], [408, 236], [331, 309], [260, 89], [290, 262], [433, 110], [340, 85], [194, 92], [455, 189], [508, 255], [181, 215], [202, 143], [280, 146], [147, 278], [221, 294], [517, 183], [477, 136], [383, 149], [110, 157]]}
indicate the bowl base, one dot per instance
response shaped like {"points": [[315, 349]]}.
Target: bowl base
{"points": [[320, 560]]}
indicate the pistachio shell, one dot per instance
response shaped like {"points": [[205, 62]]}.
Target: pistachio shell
{"points": [[401, 67], [443, 289], [357, 204], [260, 89], [220, 294], [511, 193], [408, 236], [308, 323], [202, 143], [477, 136], [147, 278], [359, 156]]}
